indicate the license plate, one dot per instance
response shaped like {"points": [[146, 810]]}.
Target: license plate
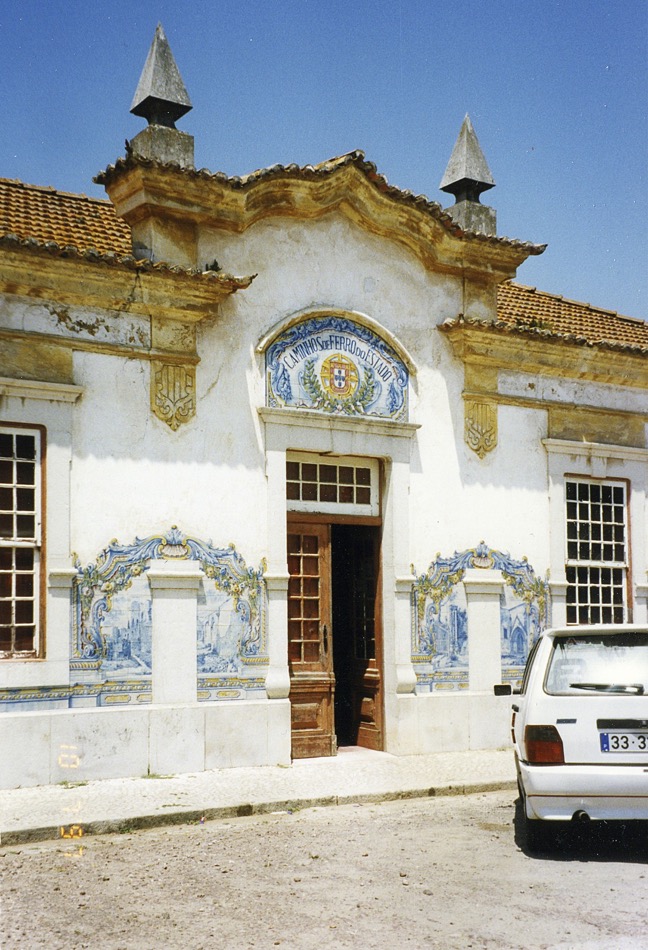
{"points": [[624, 741]]}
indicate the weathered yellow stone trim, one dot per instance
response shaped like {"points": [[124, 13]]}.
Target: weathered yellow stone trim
{"points": [[77, 282], [173, 392], [480, 426], [23, 357], [532, 402], [569, 421], [581, 423], [483, 347], [487, 351], [156, 196], [66, 343]]}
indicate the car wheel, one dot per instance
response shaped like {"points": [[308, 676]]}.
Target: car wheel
{"points": [[538, 834]]}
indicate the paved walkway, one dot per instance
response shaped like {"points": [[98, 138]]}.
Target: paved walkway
{"points": [[354, 775]]}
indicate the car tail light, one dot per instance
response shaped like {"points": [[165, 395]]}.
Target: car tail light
{"points": [[544, 745]]}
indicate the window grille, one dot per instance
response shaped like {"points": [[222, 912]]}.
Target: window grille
{"points": [[597, 552], [20, 526]]}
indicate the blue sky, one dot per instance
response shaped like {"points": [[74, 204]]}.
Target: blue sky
{"points": [[557, 92]]}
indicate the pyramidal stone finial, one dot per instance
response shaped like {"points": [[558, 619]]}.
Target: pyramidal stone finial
{"points": [[466, 176], [161, 96], [467, 173]]}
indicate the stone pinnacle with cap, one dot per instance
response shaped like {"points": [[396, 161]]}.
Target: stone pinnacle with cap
{"points": [[466, 176], [161, 96]]}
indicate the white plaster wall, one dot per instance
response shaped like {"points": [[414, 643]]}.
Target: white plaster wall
{"points": [[132, 475], [455, 499], [459, 499], [331, 262]]}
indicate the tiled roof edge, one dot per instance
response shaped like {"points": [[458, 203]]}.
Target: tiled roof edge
{"points": [[523, 329], [574, 303], [122, 260], [357, 158]]}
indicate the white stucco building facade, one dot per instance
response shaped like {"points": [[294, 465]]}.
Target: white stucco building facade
{"points": [[331, 501]]}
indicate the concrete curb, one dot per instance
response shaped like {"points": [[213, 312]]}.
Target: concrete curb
{"points": [[198, 816]]}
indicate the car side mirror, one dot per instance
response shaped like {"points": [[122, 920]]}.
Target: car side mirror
{"points": [[502, 689]]}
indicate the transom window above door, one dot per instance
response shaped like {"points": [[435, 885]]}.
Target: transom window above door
{"points": [[332, 484]]}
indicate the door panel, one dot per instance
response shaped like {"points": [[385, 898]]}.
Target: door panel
{"points": [[312, 682]]}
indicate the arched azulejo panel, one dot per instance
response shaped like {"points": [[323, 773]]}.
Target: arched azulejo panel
{"points": [[440, 634], [112, 620], [330, 363]]}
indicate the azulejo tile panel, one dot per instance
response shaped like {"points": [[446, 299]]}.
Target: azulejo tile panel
{"points": [[440, 633], [334, 365], [112, 618]]}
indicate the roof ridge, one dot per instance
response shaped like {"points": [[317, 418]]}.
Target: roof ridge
{"points": [[52, 190]]}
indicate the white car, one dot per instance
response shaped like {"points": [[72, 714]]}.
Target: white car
{"points": [[580, 728]]}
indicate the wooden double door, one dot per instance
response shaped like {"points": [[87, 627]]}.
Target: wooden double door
{"points": [[334, 637]]}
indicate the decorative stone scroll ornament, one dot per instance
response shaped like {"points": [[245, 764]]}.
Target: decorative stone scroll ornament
{"points": [[173, 392], [480, 426], [334, 365]]}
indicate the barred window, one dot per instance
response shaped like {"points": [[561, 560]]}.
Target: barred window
{"points": [[20, 541], [597, 551]]}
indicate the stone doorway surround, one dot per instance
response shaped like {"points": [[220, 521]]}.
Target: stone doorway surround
{"points": [[303, 431]]}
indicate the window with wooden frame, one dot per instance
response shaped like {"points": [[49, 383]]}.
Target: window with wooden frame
{"points": [[333, 484], [20, 541], [597, 551]]}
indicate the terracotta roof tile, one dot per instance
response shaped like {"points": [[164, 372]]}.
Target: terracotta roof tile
{"points": [[47, 215], [527, 309]]}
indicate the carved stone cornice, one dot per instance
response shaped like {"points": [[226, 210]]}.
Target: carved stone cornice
{"points": [[105, 282], [487, 350], [39, 389], [502, 348], [146, 194]]}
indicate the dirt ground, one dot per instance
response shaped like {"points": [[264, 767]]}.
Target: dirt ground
{"points": [[443, 873]]}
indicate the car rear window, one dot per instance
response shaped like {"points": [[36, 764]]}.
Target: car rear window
{"points": [[598, 663]]}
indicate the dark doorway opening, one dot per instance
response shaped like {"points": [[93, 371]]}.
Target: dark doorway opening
{"points": [[355, 560]]}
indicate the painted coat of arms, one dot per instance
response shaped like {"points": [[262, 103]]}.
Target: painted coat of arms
{"points": [[339, 376]]}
